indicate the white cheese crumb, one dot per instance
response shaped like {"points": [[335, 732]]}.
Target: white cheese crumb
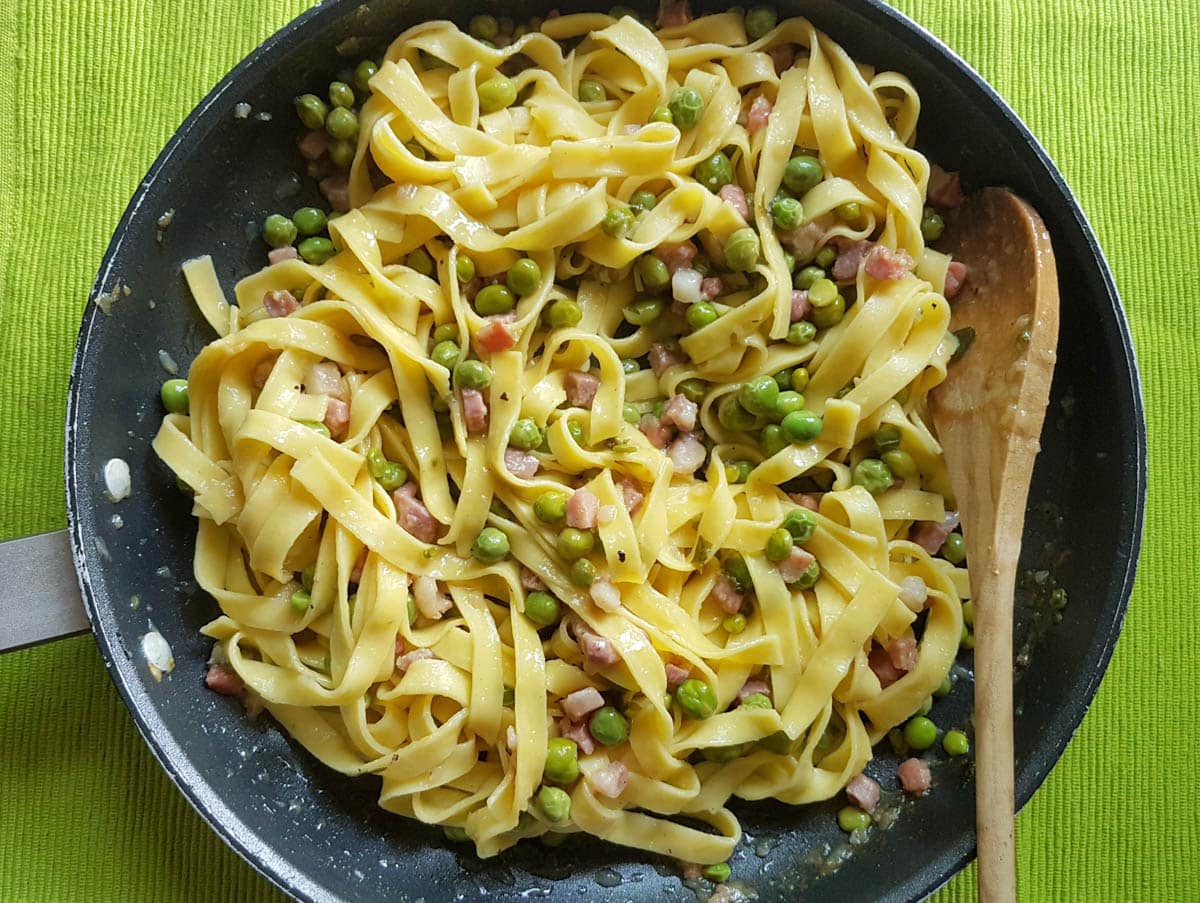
{"points": [[168, 362], [117, 482], [159, 657], [241, 110]]}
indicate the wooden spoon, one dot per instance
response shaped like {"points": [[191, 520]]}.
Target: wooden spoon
{"points": [[988, 415]]}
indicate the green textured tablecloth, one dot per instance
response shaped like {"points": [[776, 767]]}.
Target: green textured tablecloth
{"points": [[91, 89]]}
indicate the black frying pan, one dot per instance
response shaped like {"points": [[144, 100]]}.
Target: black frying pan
{"points": [[320, 836]]}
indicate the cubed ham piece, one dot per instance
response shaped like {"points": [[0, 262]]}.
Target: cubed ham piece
{"points": [[804, 240], [598, 651], [945, 188], [314, 144], [662, 358], [337, 418], [605, 594], [759, 115], [280, 303], [689, 871], [809, 500], [325, 378], [531, 581], [431, 601], [631, 493], [496, 335], [904, 653], [405, 661], [914, 593], [279, 255], [474, 410], [262, 371], [711, 287], [726, 595], [356, 571], [657, 431], [801, 306], [754, 686], [914, 777], [520, 463], [930, 536], [881, 664], [792, 568], [610, 780], [413, 516], [221, 678], [577, 731], [887, 265], [582, 702], [581, 388], [337, 191], [582, 509], [676, 256], [956, 275], [845, 268], [681, 412], [783, 56], [735, 197], [687, 453], [722, 894], [676, 674], [673, 13], [863, 792]]}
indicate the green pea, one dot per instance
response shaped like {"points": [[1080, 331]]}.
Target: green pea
{"points": [[968, 613], [551, 507], [630, 365], [1058, 598], [787, 213], [472, 375], [174, 394], [757, 701], [758, 396], [873, 475], [464, 268], [851, 819], [955, 743], [822, 293], [445, 354], [714, 172], [341, 153], [719, 872], [779, 545], [932, 225], [701, 314], [412, 611], [788, 402], [825, 257], [900, 463], [525, 435], [802, 173], [316, 250], [801, 333], [497, 93], [363, 73], [420, 261], [316, 426], [278, 231], [920, 732], [312, 111], [810, 577], [608, 726], [733, 416], [849, 211], [591, 92], [778, 743], [494, 299], [807, 276], [663, 114], [639, 313], [696, 698], [887, 437], [562, 761], [394, 476], [954, 549], [445, 332], [944, 688], [802, 426], [300, 601], [643, 200], [968, 639], [341, 94], [307, 576], [524, 276], [799, 379], [310, 220], [542, 608], [654, 272], [693, 389], [341, 123], [563, 314], [630, 413], [772, 440], [686, 106], [583, 573], [739, 471], [573, 544], [617, 222], [742, 250], [735, 624], [800, 523], [491, 545], [737, 570], [555, 804], [576, 432], [830, 315], [760, 20], [376, 462], [455, 833], [484, 27]]}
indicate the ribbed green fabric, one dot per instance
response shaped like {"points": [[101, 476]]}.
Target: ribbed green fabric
{"points": [[91, 89]]}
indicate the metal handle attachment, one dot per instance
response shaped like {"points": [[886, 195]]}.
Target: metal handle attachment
{"points": [[39, 593]]}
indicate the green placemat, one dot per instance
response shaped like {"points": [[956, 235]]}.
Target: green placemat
{"points": [[91, 89]]}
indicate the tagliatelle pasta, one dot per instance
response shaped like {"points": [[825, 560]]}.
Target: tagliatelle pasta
{"points": [[463, 539]]}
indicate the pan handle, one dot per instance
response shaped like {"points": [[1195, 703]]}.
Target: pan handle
{"points": [[41, 598]]}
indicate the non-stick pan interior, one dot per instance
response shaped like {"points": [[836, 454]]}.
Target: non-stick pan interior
{"points": [[321, 836]]}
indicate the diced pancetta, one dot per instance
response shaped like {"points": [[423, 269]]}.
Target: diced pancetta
{"points": [[337, 191], [681, 412], [956, 275], [581, 388], [783, 56], [914, 593], [809, 500], [413, 516], [687, 453], [930, 536], [903, 653], [673, 13], [530, 580], [657, 431], [314, 144], [577, 731], [521, 463], [887, 265], [221, 678], [881, 664], [582, 509], [496, 334], [605, 594], [759, 116], [431, 601], [711, 288], [582, 702], [278, 255], [726, 595], [803, 240], [474, 410], [325, 378], [598, 651], [610, 780], [845, 268], [863, 792], [676, 256], [735, 197], [676, 674], [337, 419], [405, 661], [801, 306], [280, 303], [754, 686], [945, 188], [631, 493], [792, 568], [914, 777]]}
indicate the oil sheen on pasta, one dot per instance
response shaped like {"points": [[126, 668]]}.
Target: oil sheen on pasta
{"points": [[459, 737]]}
